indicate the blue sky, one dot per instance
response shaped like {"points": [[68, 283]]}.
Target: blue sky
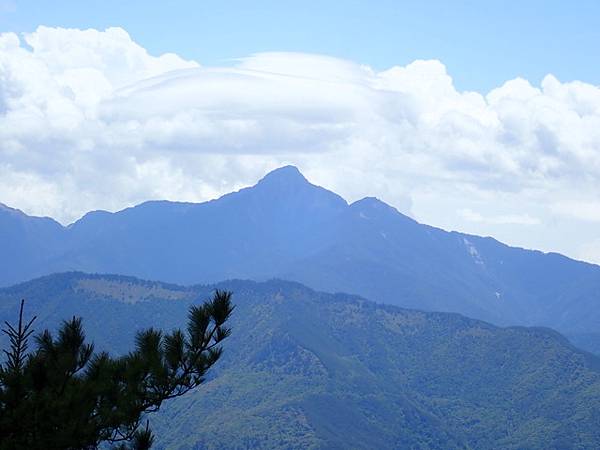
{"points": [[482, 43]]}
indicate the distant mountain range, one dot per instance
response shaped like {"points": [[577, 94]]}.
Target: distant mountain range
{"points": [[285, 227], [309, 370]]}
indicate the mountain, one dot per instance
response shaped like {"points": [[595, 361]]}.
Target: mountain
{"points": [[305, 369], [27, 243], [285, 227]]}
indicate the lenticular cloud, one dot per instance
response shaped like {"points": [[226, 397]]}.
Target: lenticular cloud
{"points": [[89, 119]]}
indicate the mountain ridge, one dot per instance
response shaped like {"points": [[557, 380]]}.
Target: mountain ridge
{"points": [[306, 369], [286, 227]]}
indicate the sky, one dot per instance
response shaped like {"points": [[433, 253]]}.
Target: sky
{"points": [[482, 117], [482, 44]]}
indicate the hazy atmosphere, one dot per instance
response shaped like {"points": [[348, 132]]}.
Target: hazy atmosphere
{"points": [[315, 225]]}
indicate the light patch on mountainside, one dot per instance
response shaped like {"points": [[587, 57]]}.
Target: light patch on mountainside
{"points": [[473, 252], [127, 292], [476, 331], [405, 322]]}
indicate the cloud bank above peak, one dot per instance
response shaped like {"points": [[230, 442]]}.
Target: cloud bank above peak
{"points": [[89, 120]]}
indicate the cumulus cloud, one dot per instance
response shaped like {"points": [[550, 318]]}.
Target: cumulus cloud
{"points": [[88, 119]]}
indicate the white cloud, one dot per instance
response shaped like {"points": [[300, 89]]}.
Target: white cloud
{"points": [[88, 119], [508, 219], [590, 251], [581, 210]]}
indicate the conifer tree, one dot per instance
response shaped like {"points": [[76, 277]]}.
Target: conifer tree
{"points": [[63, 395]]}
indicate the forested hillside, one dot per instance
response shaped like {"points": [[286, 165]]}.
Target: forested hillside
{"points": [[305, 369]]}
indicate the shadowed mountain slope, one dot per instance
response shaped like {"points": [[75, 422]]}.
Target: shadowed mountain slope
{"points": [[288, 228]]}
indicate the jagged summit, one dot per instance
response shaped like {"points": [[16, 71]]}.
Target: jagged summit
{"points": [[284, 175], [288, 187]]}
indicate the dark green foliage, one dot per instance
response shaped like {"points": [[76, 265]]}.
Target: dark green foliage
{"points": [[65, 396], [307, 370]]}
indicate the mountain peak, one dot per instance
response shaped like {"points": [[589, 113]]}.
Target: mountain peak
{"points": [[371, 207], [286, 189], [285, 174], [372, 204]]}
